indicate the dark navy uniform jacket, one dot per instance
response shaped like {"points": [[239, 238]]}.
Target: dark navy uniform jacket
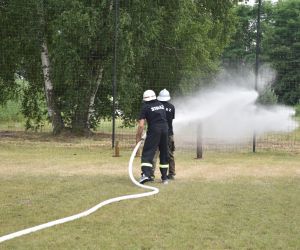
{"points": [[154, 112], [170, 112]]}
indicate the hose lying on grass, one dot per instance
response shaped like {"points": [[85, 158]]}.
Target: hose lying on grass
{"points": [[91, 210]]}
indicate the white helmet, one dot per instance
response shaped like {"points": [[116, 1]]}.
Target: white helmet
{"points": [[164, 96], [149, 95]]}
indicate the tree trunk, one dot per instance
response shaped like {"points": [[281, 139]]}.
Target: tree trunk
{"points": [[81, 123], [92, 98], [54, 113]]}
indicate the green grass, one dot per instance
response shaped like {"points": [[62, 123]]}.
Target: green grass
{"points": [[225, 201], [197, 215]]}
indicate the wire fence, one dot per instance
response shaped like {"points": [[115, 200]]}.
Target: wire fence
{"points": [[83, 66]]}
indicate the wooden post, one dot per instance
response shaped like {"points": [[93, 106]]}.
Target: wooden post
{"points": [[199, 142], [117, 149]]}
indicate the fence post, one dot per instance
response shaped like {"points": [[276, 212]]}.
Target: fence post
{"points": [[257, 53], [117, 149], [199, 142], [114, 87]]}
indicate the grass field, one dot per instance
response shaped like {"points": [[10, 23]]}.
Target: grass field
{"points": [[224, 201]]}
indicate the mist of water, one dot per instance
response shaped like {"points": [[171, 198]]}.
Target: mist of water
{"points": [[229, 112]]}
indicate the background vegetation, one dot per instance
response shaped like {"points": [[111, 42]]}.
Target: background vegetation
{"points": [[64, 51], [280, 45]]}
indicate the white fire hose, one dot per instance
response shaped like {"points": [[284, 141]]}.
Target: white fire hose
{"points": [[93, 209]]}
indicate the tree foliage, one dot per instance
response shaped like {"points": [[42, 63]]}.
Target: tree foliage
{"points": [[159, 44], [172, 41], [282, 48], [241, 49], [280, 45]]}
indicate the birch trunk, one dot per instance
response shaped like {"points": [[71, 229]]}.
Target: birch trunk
{"points": [[92, 98], [81, 123], [54, 113]]}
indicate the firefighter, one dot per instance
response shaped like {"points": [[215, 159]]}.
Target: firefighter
{"points": [[164, 97], [153, 112]]}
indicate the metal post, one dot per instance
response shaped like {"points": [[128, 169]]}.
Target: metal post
{"points": [[114, 87], [258, 38]]}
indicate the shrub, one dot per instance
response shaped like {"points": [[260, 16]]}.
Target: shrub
{"points": [[11, 111], [297, 108]]}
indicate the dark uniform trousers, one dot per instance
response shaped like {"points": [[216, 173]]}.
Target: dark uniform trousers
{"points": [[157, 137], [171, 150]]}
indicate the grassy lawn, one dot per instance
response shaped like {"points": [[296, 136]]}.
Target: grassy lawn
{"points": [[224, 201]]}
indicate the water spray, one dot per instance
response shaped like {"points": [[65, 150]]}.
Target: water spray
{"points": [[228, 111], [93, 209]]}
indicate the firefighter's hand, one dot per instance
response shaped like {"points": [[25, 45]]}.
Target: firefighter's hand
{"points": [[140, 138], [138, 153], [137, 139]]}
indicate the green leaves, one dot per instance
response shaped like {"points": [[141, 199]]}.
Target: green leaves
{"points": [[280, 44], [283, 50], [159, 44]]}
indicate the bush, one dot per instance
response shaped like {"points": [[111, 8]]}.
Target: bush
{"points": [[297, 108], [11, 111]]}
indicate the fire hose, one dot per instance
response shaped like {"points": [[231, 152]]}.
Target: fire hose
{"points": [[93, 209]]}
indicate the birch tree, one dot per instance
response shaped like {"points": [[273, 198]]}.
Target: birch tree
{"points": [[64, 50]]}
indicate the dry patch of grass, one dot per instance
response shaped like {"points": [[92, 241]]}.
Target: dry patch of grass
{"points": [[220, 166], [41, 154], [228, 172]]}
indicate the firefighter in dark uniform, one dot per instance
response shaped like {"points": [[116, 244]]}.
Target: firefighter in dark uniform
{"points": [[164, 97], [153, 112]]}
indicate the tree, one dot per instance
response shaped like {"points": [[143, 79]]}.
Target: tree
{"points": [[280, 45], [60, 53], [174, 41], [282, 48], [64, 50], [8, 53], [241, 50]]}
